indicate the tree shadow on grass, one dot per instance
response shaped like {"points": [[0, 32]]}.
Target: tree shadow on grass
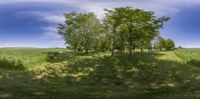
{"points": [[119, 76], [133, 76]]}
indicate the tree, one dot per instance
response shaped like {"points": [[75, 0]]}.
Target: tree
{"points": [[80, 30], [132, 27], [111, 23], [160, 43], [169, 44], [180, 47], [89, 29], [122, 28], [69, 31]]}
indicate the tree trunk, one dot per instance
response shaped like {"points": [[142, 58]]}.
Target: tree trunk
{"points": [[86, 51], [75, 48], [112, 50], [124, 50], [141, 47], [86, 48], [113, 40], [130, 38], [130, 50]]}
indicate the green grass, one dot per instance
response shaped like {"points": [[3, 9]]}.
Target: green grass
{"points": [[190, 56], [30, 57], [60, 73]]}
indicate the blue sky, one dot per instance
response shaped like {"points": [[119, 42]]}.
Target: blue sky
{"points": [[32, 23]]}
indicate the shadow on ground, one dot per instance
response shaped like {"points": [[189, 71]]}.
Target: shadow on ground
{"points": [[141, 76]]}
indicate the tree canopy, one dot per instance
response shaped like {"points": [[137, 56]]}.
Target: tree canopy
{"points": [[123, 29]]}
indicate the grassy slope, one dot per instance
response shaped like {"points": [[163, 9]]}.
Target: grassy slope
{"points": [[151, 76]]}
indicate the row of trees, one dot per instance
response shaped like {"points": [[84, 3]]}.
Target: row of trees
{"points": [[123, 29]]}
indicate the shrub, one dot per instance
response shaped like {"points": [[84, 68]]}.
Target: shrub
{"points": [[194, 62], [11, 64], [52, 56]]}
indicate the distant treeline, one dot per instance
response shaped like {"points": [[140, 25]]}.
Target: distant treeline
{"points": [[123, 29]]}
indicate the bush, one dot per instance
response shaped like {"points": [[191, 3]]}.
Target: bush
{"points": [[11, 64], [52, 56], [56, 56], [194, 62]]}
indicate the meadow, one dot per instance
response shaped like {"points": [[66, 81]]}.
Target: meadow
{"points": [[60, 73], [190, 56], [29, 57]]}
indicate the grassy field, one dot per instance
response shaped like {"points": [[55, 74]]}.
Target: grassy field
{"points": [[190, 56], [60, 73], [30, 57]]}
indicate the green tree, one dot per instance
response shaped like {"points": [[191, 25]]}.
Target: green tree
{"points": [[122, 28], [111, 22], [160, 43], [69, 32], [169, 43], [80, 30], [133, 27]]}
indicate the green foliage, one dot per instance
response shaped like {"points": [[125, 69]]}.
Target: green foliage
{"points": [[166, 44], [180, 47], [57, 56], [160, 43], [121, 29], [169, 43], [80, 30], [194, 62], [11, 64]]}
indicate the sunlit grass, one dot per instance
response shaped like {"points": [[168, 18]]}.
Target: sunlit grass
{"points": [[30, 57], [190, 56]]}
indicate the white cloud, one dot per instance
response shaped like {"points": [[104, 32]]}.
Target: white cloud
{"points": [[50, 1], [50, 34], [2, 45], [161, 7], [53, 17]]}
